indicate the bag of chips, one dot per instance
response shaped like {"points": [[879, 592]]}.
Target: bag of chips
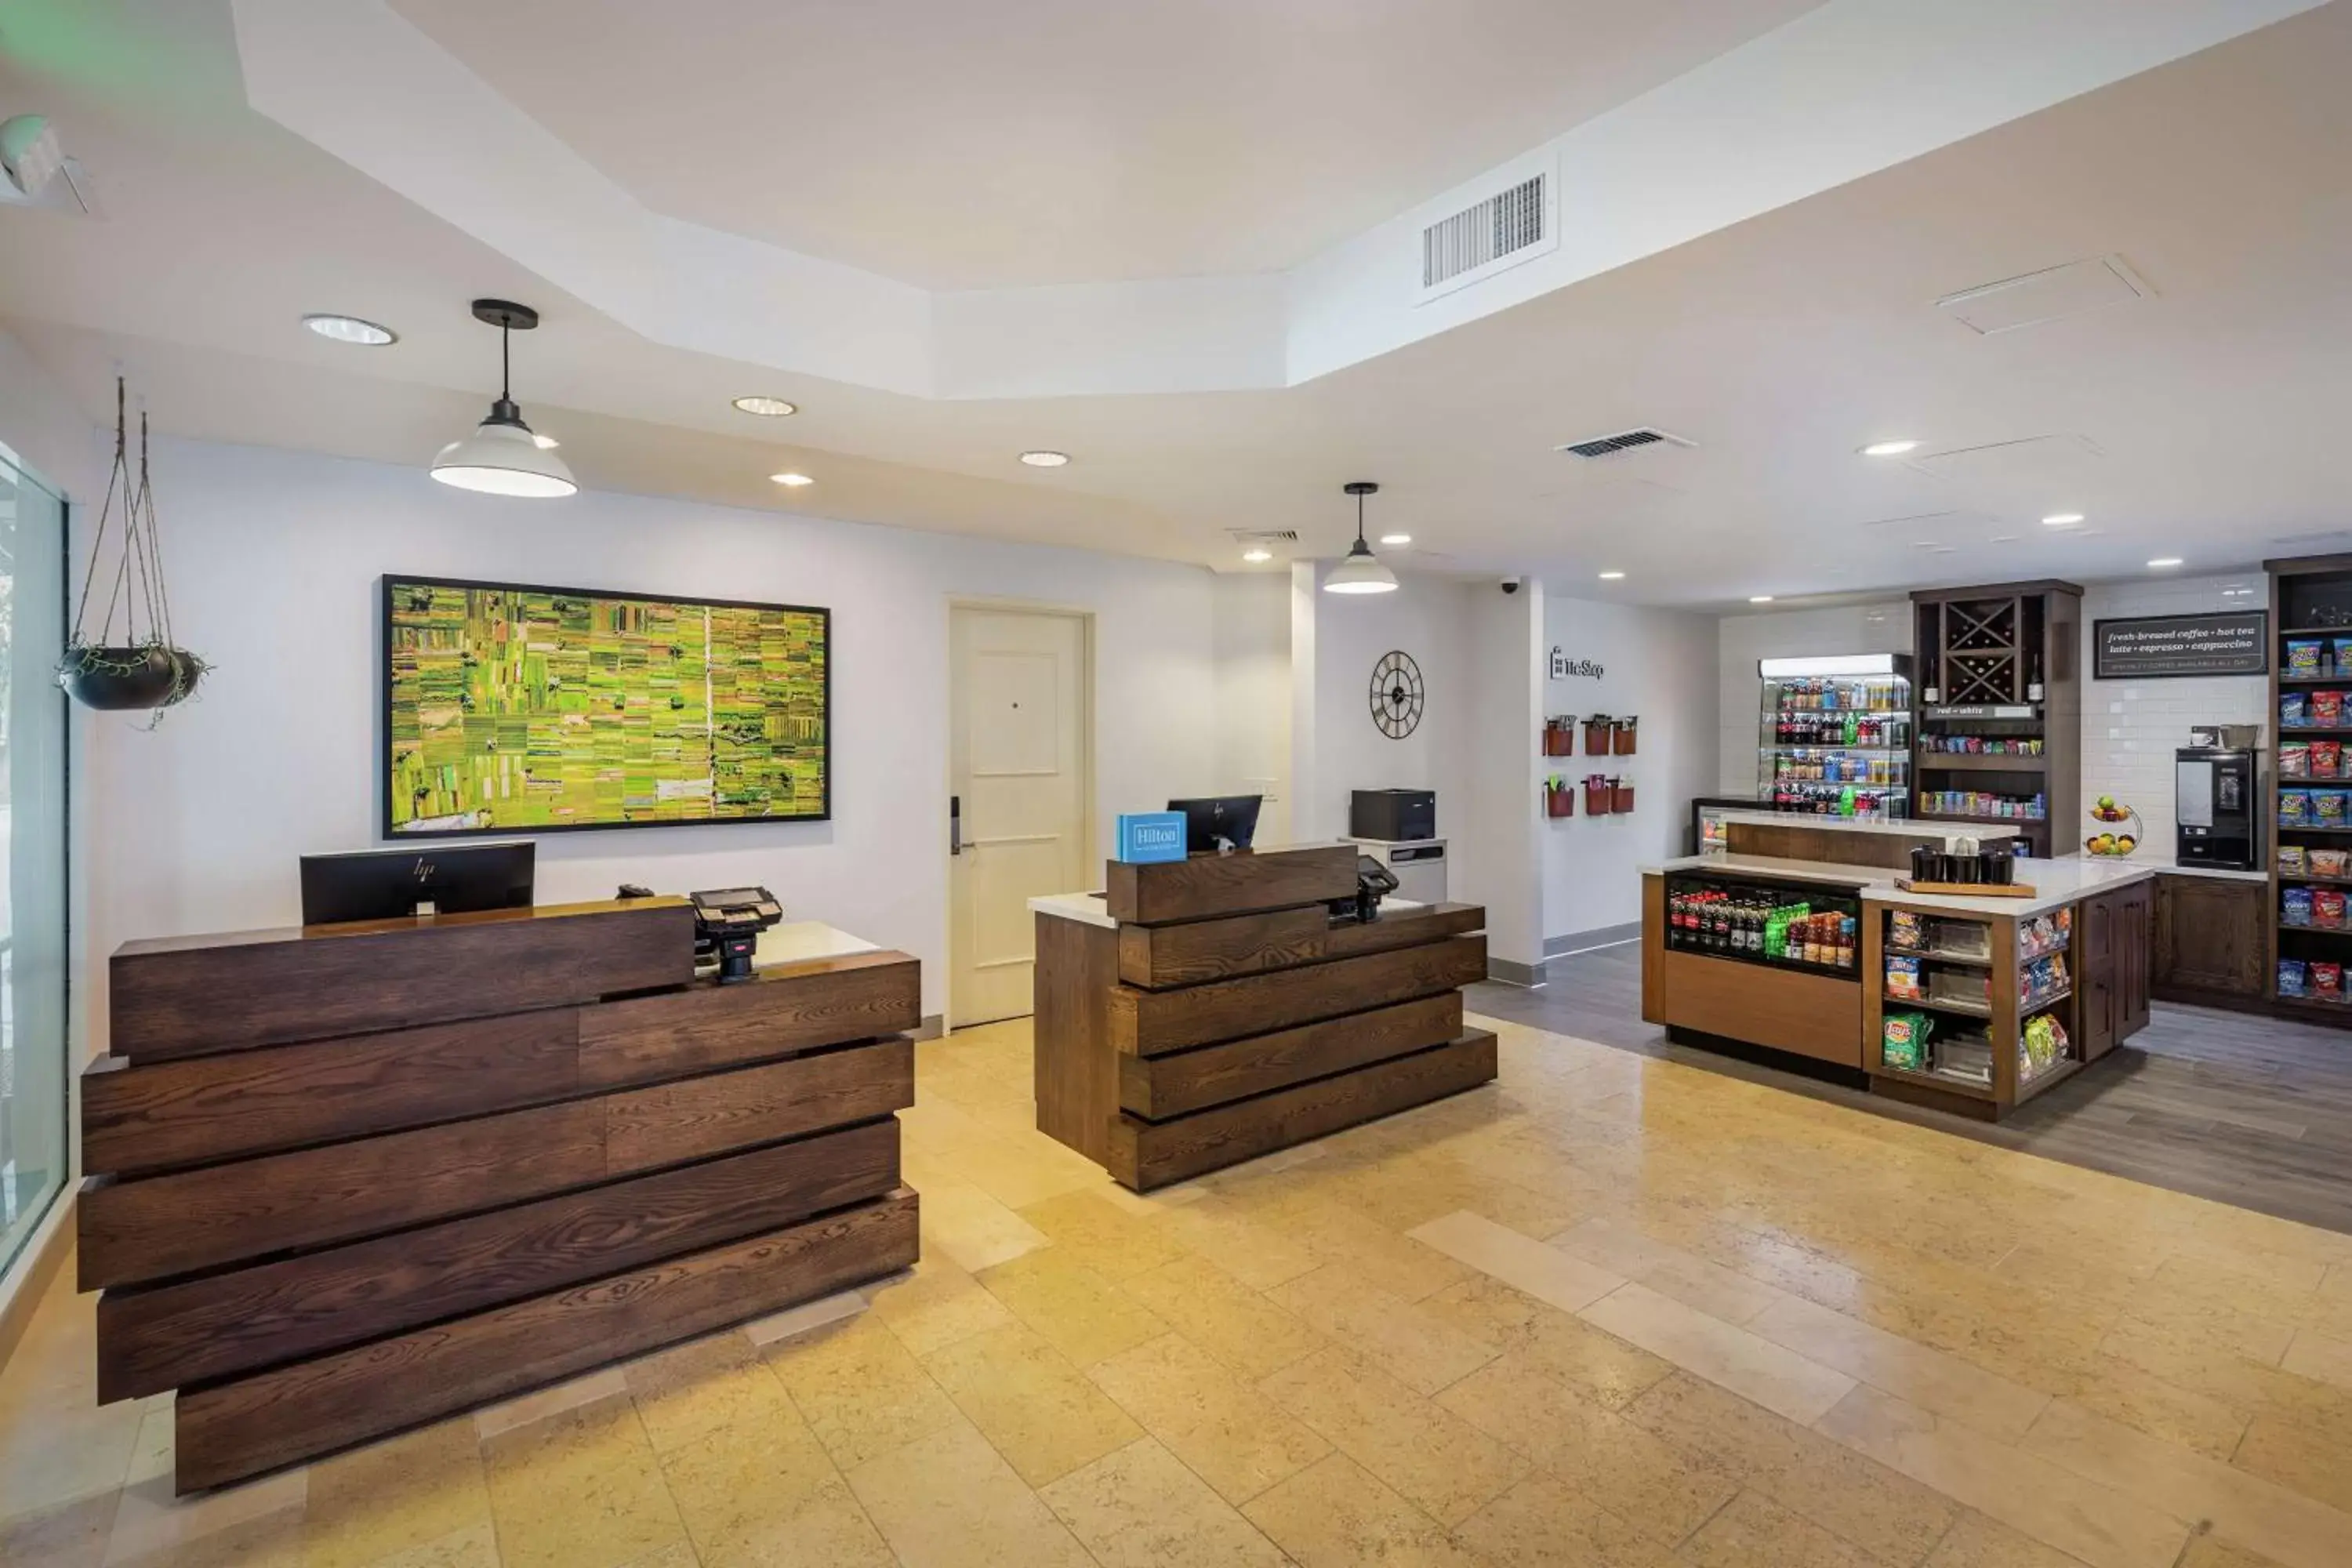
{"points": [[2318, 862], [2294, 907], [2295, 760], [2294, 807], [2327, 759], [1903, 1040], [2295, 713], [2291, 861], [2328, 807], [2327, 981], [2291, 977], [2340, 650], [2327, 710], [2302, 657], [2328, 907], [1902, 976]]}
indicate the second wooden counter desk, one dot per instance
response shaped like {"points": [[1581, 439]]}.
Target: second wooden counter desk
{"points": [[1204, 1012]]}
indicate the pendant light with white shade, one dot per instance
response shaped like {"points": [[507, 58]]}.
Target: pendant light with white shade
{"points": [[1362, 571], [502, 457]]}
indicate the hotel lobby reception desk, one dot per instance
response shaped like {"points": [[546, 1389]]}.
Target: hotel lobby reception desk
{"points": [[354, 1178], [1204, 1011]]}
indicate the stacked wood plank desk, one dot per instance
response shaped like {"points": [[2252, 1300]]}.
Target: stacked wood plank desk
{"points": [[1207, 1011], [354, 1178]]}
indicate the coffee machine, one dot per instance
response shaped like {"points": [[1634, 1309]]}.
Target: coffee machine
{"points": [[2217, 806]]}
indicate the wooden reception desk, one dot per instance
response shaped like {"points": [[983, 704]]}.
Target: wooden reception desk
{"points": [[358, 1177], [1204, 1012]]}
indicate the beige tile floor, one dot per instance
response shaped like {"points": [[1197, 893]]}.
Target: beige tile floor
{"points": [[1610, 1311]]}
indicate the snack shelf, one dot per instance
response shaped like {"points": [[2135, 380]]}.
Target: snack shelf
{"points": [[2342, 677], [1970, 1009], [1941, 955], [1981, 762], [1971, 816], [2044, 1003], [2315, 882], [2285, 924], [2028, 1086], [1950, 1083], [2287, 730], [2285, 826]]}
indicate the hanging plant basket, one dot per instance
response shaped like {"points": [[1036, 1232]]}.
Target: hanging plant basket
{"points": [[128, 679], [143, 670]]}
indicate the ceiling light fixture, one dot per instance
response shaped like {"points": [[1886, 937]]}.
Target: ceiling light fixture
{"points": [[1400, 540], [2161, 561], [767, 407], [1362, 571], [1612, 576], [1046, 459], [2062, 520], [1260, 553], [1889, 448], [792, 482], [543, 441], [502, 457], [1760, 598], [351, 330]]}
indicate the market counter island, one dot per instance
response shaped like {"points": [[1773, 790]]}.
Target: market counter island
{"points": [[359, 1177], [1204, 1012], [1972, 1003]]}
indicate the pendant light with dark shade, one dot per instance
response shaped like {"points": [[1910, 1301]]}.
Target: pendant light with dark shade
{"points": [[1362, 571], [502, 457]]}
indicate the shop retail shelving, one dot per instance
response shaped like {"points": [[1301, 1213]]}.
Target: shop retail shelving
{"points": [[2306, 594], [1999, 662], [1974, 1049]]}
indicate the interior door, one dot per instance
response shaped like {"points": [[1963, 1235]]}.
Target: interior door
{"points": [[1020, 756]]}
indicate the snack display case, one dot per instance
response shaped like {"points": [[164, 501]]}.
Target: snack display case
{"points": [[1971, 1011], [2311, 811], [1833, 737], [1755, 957]]}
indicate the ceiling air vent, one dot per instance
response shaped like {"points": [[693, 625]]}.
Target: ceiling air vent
{"points": [[1264, 535], [1513, 225], [1622, 442]]}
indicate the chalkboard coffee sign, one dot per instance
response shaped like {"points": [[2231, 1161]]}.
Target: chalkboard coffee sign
{"points": [[2153, 647]]}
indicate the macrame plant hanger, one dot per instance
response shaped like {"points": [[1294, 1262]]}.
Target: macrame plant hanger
{"points": [[145, 670]]}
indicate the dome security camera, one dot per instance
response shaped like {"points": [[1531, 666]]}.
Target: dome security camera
{"points": [[1510, 585]]}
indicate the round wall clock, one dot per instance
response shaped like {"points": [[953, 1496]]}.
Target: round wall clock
{"points": [[1396, 695]]}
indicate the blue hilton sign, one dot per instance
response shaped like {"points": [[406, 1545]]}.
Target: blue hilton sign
{"points": [[1146, 836]]}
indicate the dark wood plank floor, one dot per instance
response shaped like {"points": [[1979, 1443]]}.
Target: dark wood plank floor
{"points": [[2245, 1110]]}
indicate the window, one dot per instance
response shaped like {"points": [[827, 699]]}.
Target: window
{"points": [[33, 1150]]}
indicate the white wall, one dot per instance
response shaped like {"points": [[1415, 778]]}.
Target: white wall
{"points": [[274, 557], [1741, 641], [1251, 645], [2131, 728], [1660, 666], [1426, 619]]}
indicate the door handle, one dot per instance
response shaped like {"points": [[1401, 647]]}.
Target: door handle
{"points": [[955, 825]]}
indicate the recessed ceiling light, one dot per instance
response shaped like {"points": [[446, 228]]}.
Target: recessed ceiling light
{"points": [[2062, 520], [767, 407], [794, 481], [543, 441], [1260, 553], [1045, 460], [2004, 539], [2163, 560], [1889, 448], [1760, 598], [1612, 576], [1396, 539], [352, 330]]}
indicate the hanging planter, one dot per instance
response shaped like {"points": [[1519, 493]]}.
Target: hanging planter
{"points": [[141, 670]]}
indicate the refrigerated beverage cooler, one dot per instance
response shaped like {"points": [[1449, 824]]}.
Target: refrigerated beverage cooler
{"points": [[1834, 735]]}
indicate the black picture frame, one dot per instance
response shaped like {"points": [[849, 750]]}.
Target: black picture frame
{"points": [[2260, 664], [384, 830]]}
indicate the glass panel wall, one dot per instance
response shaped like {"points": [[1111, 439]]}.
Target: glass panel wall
{"points": [[33, 1079]]}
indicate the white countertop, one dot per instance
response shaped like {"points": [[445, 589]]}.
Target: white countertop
{"points": [[1090, 909], [2169, 865], [797, 941], [2055, 882]]}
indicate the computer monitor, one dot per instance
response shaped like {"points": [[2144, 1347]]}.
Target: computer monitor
{"points": [[1232, 819], [390, 884]]}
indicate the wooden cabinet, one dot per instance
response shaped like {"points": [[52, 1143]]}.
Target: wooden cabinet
{"points": [[2115, 938], [2209, 936]]}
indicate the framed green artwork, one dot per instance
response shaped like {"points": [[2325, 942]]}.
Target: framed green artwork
{"points": [[514, 708]]}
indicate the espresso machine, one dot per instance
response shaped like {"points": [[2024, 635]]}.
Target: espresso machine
{"points": [[2217, 806]]}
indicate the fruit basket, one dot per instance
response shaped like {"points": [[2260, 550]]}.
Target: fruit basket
{"points": [[2116, 832]]}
